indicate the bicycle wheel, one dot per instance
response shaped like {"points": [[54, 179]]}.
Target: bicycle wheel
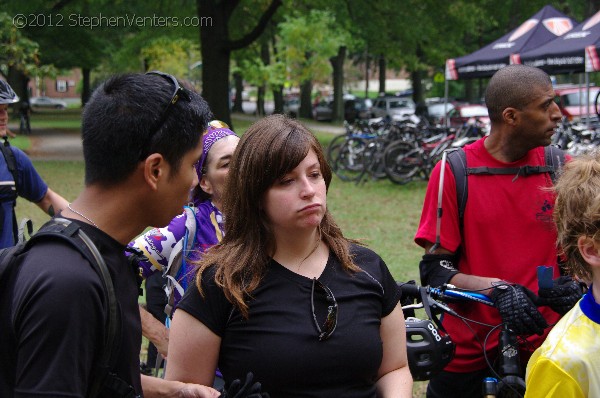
{"points": [[374, 159], [402, 162], [438, 151], [349, 163], [334, 148]]}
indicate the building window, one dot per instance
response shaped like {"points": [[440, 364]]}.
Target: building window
{"points": [[61, 86]]}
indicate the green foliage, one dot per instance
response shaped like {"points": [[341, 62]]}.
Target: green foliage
{"points": [[257, 74], [170, 55], [306, 44], [16, 50]]}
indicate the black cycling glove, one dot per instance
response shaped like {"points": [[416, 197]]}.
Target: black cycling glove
{"points": [[247, 390], [562, 296], [517, 309]]}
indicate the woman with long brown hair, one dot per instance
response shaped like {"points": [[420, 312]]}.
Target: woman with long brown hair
{"points": [[285, 295]]}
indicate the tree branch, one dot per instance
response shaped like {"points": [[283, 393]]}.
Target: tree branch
{"points": [[257, 31], [59, 5], [228, 8]]}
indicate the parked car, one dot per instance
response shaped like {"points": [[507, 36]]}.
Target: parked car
{"points": [[468, 113], [291, 106], [323, 110], [354, 108], [573, 100], [358, 108], [397, 108], [436, 111], [47, 102]]}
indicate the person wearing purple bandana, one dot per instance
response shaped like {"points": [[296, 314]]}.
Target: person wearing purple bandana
{"points": [[219, 143]]}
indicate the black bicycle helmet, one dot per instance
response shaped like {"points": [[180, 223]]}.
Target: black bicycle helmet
{"points": [[7, 94], [428, 350]]}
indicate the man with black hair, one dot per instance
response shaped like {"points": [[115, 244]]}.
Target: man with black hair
{"points": [[506, 231], [141, 140], [18, 177]]}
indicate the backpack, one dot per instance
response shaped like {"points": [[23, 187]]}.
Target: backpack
{"points": [[177, 258], [9, 188], [67, 231], [457, 158]]}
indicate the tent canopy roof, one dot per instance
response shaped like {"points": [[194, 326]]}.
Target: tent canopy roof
{"points": [[546, 25]]}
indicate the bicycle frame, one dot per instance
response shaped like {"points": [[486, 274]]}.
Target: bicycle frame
{"points": [[508, 380]]}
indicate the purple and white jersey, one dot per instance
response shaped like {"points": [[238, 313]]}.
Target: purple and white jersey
{"points": [[157, 243]]}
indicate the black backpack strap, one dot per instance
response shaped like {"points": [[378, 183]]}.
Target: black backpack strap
{"points": [[457, 158], [70, 232], [10, 159], [11, 163], [516, 171]]}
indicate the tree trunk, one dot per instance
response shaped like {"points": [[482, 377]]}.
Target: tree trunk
{"points": [[260, 101], [417, 78], [215, 60], [278, 90], [306, 100], [239, 88], [382, 69], [265, 58], [337, 63], [216, 49], [278, 99], [417, 85], [18, 81], [86, 91], [367, 65]]}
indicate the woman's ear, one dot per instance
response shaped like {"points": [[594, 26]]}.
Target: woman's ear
{"points": [[589, 250], [206, 185], [154, 170]]}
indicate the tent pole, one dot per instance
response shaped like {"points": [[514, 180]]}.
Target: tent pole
{"points": [[446, 102], [580, 93], [587, 105]]}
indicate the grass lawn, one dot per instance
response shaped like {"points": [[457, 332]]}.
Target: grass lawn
{"points": [[381, 214]]}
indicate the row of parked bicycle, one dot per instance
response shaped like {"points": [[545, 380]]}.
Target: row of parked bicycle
{"points": [[399, 150], [578, 137], [407, 150]]}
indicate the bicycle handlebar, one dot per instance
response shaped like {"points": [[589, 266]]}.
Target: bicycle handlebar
{"points": [[448, 293], [508, 382]]}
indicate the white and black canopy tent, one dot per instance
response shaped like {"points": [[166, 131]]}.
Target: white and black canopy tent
{"points": [[544, 26], [574, 52]]}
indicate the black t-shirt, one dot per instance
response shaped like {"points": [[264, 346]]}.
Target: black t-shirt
{"points": [[279, 341], [52, 318]]}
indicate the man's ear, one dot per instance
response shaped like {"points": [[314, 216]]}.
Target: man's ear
{"points": [[589, 251], [154, 170], [510, 116]]}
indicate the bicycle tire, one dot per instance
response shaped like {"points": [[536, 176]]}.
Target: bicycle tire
{"points": [[350, 162], [334, 147], [436, 154], [402, 162], [375, 164], [596, 105]]}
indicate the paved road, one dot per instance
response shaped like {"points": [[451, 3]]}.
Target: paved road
{"points": [[313, 126], [56, 144], [50, 144]]}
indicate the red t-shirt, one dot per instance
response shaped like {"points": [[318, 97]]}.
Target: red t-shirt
{"points": [[508, 232]]}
